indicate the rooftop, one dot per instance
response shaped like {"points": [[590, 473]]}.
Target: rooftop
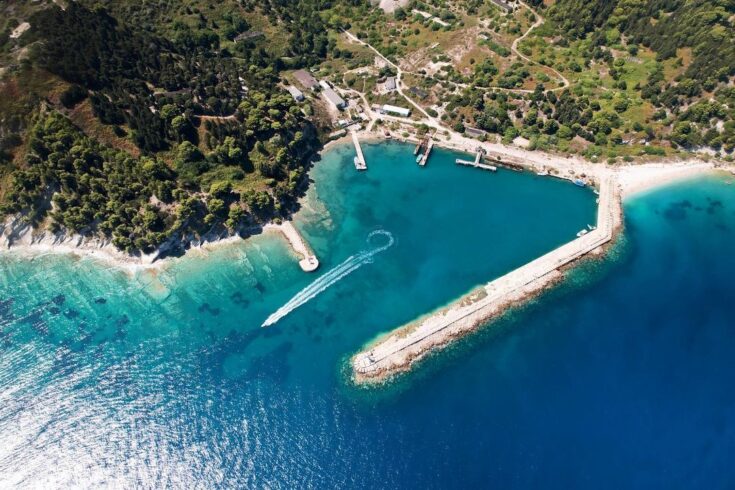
{"points": [[333, 97], [295, 93], [305, 79]]}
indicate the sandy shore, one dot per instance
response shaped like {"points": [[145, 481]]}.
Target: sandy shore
{"points": [[633, 178], [636, 179]]}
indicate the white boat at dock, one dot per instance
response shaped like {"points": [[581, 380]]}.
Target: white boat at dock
{"points": [[582, 232]]}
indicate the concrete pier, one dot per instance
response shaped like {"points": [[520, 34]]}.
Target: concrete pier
{"points": [[308, 262], [477, 163], [427, 152], [360, 158], [398, 350]]}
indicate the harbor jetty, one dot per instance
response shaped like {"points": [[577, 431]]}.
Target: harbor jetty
{"points": [[419, 147], [397, 351], [360, 158], [308, 262]]}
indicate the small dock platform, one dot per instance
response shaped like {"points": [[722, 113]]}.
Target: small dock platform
{"points": [[308, 261], [419, 146], [477, 163], [360, 158], [427, 152]]}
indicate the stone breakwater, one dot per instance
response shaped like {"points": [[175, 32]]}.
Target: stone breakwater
{"points": [[309, 261], [397, 351]]}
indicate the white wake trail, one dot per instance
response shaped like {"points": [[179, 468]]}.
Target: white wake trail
{"points": [[334, 275]]}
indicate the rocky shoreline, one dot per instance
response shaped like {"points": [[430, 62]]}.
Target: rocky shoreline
{"points": [[22, 240]]}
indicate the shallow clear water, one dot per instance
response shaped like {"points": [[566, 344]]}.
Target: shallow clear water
{"points": [[622, 377]]}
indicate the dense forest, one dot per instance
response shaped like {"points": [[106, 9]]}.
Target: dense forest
{"points": [[161, 120], [220, 145], [662, 25]]}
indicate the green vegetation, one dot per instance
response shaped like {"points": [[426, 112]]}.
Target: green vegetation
{"points": [[158, 120], [200, 139], [646, 77]]}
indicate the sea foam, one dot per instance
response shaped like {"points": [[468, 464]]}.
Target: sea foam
{"points": [[349, 265]]}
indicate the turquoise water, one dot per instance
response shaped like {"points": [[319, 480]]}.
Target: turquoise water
{"points": [[620, 378]]}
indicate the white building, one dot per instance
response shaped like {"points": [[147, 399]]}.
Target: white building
{"points": [[398, 111], [333, 98]]}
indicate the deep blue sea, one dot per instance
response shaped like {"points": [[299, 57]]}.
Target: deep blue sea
{"points": [[623, 377]]}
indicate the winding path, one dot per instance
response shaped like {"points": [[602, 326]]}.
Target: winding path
{"points": [[514, 48], [399, 75]]}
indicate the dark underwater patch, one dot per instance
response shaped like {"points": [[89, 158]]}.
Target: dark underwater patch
{"points": [[271, 332], [37, 323], [678, 211], [71, 314], [239, 299], [206, 308], [714, 206], [5, 339], [54, 310], [100, 301], [273, 365], [6, 313], [59, 299]]}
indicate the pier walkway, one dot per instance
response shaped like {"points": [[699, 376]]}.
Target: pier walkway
{"points": [[308, 262], [477, 163], [427, 152], [399, 349], [360, 158]]}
